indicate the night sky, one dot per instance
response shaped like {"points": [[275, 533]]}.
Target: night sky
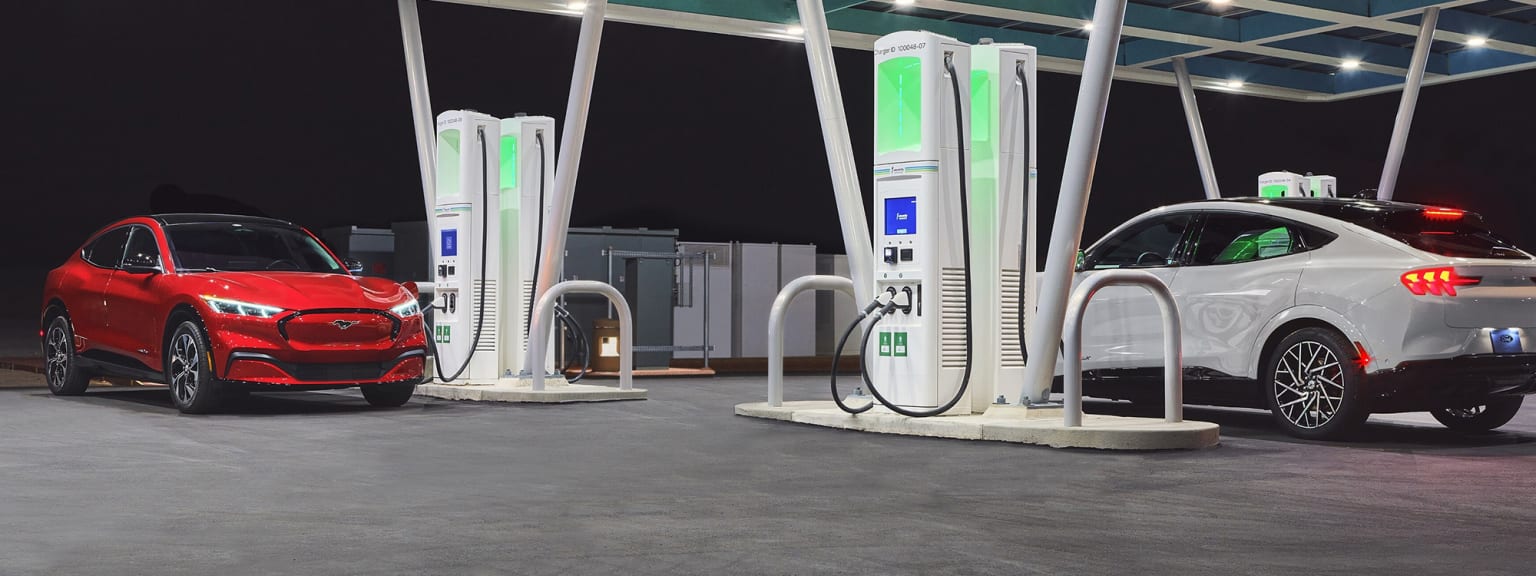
{"points": [[299, 109]]}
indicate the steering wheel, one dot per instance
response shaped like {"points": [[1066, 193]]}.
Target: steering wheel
{"points": [[1151, 259], [286, 265]]}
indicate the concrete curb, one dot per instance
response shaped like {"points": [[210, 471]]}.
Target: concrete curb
{"points": [[554, 394], [1100, 432]]}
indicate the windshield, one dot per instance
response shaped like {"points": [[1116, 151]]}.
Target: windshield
{"points": [[229, 246]]}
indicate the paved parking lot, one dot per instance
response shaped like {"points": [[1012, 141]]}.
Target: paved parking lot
{"points": [[116, 482]]}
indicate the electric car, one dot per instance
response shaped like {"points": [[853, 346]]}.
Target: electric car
{"points": [[215, 306], [1321, 310]]}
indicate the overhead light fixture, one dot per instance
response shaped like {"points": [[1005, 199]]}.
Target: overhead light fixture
{"points": [[905, 2], [1234, 83], [1350, 64], [1477, 41], [1221, 2], [577, 5], [1087, 26], [794, 30]]}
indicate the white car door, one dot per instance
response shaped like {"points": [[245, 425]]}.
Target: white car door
{"points": [[1122, 327], [1242, 269]]}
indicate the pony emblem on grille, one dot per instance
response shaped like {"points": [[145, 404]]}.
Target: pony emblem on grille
{"points": [[344, 324]]}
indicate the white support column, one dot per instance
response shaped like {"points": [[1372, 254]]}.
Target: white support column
{"points": [[1196, 129], [1072, 204], [421, 106], [552, 260], [834, 131], [1410, 100]]}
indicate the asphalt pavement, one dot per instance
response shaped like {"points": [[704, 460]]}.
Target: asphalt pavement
{"points": [[117, 482]]}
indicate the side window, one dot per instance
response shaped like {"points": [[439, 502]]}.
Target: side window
{"points": [[142, 247], [1235, 238], [1152, 243], [107, 250]]}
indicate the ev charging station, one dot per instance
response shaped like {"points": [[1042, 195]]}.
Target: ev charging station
{"points": [[953, 247], [922, 356], [467, 249], [527, 168], [1291, 185], [490, 210], [1003, 192], [954, 195]]}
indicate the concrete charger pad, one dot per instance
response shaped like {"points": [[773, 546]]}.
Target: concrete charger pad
{"points": [[1003, 424], [512, 391]]}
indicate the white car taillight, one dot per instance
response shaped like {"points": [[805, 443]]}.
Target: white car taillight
{"points": [[1437, 281]]}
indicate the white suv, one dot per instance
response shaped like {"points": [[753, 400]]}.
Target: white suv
{"points": [[1322, 310]]}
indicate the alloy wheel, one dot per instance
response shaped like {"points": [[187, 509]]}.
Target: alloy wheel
{"points": [[184, 362], [1309, 384], [58, 355]]}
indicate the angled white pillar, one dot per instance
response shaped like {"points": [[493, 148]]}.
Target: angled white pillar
{"points": [[1072, 204], [421, 104], [1196, 129], [834, 132], [1410, 100], [552, 260]]}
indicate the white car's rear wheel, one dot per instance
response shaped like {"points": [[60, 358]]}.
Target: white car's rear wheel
{"points": [[1313, 385]]}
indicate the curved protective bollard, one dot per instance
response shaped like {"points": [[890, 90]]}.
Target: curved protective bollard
{"points": [[776, 325], [545, 312], [1072, 345]]}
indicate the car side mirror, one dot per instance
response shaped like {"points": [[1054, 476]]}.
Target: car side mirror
{"points": [[141, 264], [354, 266], [1081, 261]]}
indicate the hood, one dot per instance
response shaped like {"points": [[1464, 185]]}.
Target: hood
{"points": [[304, 290]]}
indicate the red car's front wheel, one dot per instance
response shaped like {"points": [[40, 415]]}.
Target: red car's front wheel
{"points": [[189, 370]]}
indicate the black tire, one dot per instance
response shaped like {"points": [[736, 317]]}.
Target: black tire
{"points": [[1497, 412], [388, 395], [60, 367], [1313, 384], [189, 370]]}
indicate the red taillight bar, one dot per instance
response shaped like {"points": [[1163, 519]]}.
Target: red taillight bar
{"points": [[1437, 281], [1443, 213]]}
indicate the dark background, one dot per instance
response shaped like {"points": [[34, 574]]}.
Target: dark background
{"points": [[299, 110]]}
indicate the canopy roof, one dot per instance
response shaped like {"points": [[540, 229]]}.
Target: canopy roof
{"points": [[1289, 49]]}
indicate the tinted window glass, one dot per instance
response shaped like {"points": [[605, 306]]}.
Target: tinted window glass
{"points": [[1448, 233], [1234, 238], [1443, 231], [107, 249], [1150, 243], [247, 247], [142, 247]]}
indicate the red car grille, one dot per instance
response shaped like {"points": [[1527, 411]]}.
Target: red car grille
{"points": [[339, 327]]}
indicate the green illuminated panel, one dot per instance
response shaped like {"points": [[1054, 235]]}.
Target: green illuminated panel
{"points": [[508, 162], [448, 162], [899, 105], [1273, 191], [983, 166]]}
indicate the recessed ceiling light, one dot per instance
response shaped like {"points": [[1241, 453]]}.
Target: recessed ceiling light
{"points": [[1477, 41], [576, 4], [1234, 83], [905, 2], [1221, 2], [1087, 25], [794, 30], [1350, 64]]}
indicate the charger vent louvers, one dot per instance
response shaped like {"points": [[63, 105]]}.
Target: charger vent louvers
{"points": [[952, 318]]}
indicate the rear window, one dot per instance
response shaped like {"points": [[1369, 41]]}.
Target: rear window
{"points": [[1446, 232]]}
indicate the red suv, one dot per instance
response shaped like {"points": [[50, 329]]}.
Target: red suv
{"points": [[215, 306]]}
